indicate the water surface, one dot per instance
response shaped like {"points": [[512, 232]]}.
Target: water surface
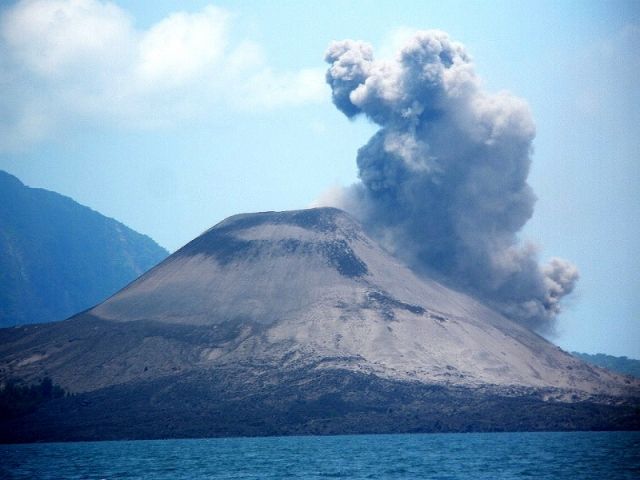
{"points": [[575, 455]]}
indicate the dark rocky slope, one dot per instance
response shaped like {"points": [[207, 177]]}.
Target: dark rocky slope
{"points": [[249, 402]]}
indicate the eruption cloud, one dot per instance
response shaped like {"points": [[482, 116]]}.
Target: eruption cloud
{"points": [[444, 180]]}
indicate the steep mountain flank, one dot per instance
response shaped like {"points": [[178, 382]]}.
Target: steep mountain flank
{"points": [[58, 257]]}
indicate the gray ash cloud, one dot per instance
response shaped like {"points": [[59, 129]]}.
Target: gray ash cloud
{"points": [[443, 183]]}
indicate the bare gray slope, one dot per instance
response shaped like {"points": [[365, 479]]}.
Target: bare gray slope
{"points": [[298, 323], [321, 290]]}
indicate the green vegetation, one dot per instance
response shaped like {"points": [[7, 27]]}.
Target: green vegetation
{"points": [[624, 365], [17, 399], [58, 257]]}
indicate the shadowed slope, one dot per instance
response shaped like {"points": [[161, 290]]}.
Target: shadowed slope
{"points": [[58, 257]]}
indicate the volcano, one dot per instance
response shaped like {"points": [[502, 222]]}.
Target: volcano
{"points": [[299, 323]]}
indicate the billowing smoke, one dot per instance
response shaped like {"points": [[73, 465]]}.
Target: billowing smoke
{"points": [[444, 180]]}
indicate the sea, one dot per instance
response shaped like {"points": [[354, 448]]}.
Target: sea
{"points": [[548, 455]]}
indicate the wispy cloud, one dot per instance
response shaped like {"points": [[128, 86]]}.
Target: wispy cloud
{"points": [[69, 62]]}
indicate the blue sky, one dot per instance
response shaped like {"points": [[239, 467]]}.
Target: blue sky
{"points": [[238, 119]]}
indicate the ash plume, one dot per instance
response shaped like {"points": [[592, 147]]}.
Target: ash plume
{"points": [[443, 183]]}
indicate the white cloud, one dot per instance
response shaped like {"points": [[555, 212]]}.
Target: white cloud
{"points": [[50, 38], [69, 62], [269, 89], [182, 46]]}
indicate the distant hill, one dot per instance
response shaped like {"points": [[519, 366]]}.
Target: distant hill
{"points": [[58, 257], [627, 366]]}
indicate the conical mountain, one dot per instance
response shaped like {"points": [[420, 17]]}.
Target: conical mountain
{"points": [[298, 322], [319, 288]]}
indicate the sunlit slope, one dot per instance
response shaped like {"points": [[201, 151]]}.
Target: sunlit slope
{"points": [[311, 285]]}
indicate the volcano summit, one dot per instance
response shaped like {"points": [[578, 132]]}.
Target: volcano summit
{"points": [[299, 322]]}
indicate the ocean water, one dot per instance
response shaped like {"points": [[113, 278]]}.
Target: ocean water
{"points": [[576, 455]]}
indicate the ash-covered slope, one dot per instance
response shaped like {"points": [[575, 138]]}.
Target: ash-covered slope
{"points": [[322, 290], [298, 322]]}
